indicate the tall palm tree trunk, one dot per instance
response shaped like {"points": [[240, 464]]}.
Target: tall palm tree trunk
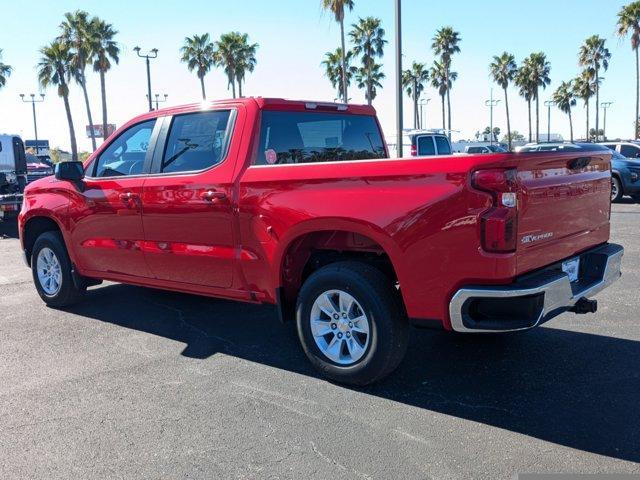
{"points": [[204, 95], [83, 84], [103, 93], [636, 133], [416, 122], [506, 105], [597, 105], [586, 105], [72, 132], [537, 118], [345, 96], [529, 108], [570, 127], [448, 106], [233, 88], [444, 125]]}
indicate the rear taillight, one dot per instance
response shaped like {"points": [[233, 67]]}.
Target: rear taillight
{"points": [[414, 150], [499, 224]]}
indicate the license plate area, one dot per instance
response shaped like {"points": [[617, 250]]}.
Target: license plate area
{"points": [[572, 268]]}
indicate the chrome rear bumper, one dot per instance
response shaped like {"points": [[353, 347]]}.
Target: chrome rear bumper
{"points": [[536, 297]]}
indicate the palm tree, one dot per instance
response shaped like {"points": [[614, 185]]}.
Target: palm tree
{"points": [[197, 53], [564, 97], [594, 55], [5, 71], [246, 59], [78, 34], [503, 71], [629, 22], [333, 69], [445, 44], [539, 69], [413, 81], [368, 40], [105, 50], [370, 78], [442, 81], [337, 8], [526, 89], [55, 68], [584, 89], [236, 56]]}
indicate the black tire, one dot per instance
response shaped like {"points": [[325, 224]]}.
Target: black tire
{"points": [[380, 302], [616, 189], [68, 293]]}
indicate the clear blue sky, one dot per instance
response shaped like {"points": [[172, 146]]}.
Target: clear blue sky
{"points": [[293, 37]]}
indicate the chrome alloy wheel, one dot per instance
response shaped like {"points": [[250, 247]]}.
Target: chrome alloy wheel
{"points": [[49, 272], [615, 188], [340, 327]]}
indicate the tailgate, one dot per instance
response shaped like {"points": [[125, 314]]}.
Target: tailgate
{"points": [[564, 205]]}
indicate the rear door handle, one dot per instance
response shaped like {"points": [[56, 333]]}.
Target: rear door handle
{"points": [[213, 195]]}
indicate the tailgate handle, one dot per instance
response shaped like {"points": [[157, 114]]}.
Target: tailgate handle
{"points": [[579, 163]]}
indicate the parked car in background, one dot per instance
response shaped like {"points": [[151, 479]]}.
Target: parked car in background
{"points": [[37, 168], [485, 149], [628, 149], [625, 177], [426, 143], [297, 204]]}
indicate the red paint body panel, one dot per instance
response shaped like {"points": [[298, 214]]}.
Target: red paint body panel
{"points": [[423, 213]]}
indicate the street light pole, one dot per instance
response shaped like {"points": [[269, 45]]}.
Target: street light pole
{"points": [[491, 103], [33, 102], [398, 26], [423, 102], [605, 106], [549, 104], [153, 53], [157, 99]]}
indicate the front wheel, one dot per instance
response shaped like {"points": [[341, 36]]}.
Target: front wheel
{"points": [[616, 189], [52, 274], [351, 324]]}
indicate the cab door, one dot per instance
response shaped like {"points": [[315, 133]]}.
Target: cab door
{"points": [[106, 213], [188, 200]]}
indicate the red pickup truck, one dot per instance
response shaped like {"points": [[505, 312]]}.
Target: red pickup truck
{"points": [[297, 204]]}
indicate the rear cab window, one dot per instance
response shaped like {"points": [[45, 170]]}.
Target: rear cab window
{"points": [[288, 137], [426, 145]]}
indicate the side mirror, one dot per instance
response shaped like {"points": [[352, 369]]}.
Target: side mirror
{"points": [[71, 171]]}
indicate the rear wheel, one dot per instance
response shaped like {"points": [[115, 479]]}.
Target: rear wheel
{"points": [[616, 189], [351, 324], [52, 271]]}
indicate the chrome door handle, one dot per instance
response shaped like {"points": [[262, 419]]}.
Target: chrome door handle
{"points": [[212, 195]]}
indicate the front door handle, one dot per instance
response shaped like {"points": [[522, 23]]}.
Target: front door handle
{"points": [[213, 195], [128, 197]]}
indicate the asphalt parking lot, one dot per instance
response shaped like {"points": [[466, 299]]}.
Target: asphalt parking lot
{"points": [[140, 383]]}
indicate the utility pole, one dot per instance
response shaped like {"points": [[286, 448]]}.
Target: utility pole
{"points": [[605, 106], [399, 77], [549, 104], [423, 103], [33, 102], [491, 103], [153, 53]]}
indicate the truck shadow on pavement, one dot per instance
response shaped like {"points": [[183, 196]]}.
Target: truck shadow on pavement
{"points": [[574, 389]]}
